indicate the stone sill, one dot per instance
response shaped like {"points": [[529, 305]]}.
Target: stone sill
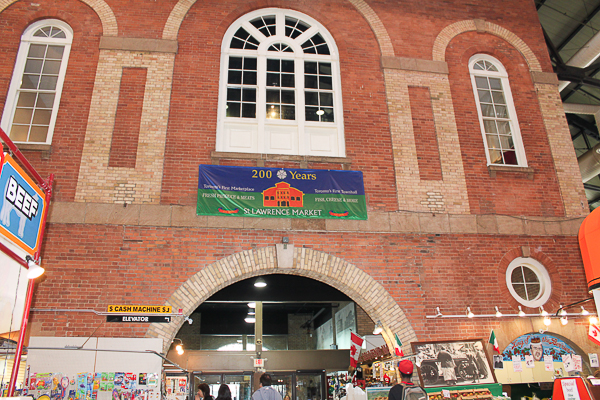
{"points": [[216, 156], [44, 149], [175, 216], [493, 169]]}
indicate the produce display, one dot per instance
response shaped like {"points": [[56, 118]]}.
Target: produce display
{"points": [[469, 394]]}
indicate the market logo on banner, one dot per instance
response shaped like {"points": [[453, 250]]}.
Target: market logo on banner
{"points": [[21, 206], [537, 345], [280, 193]]}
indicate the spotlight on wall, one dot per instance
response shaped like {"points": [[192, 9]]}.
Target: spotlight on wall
{"points": [[593, 320], [521, 312], [34, 270], [564, 320], [438, 312], [378, 328], [547, 321], [563, 312], [179, 347], [543, 312], [498, 313], [469, 313], [189, 320], [260, 283], [584, 311]]}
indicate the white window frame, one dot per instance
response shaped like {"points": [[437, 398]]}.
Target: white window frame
{"points": [[542, 275], [514, 122], [306, 133], [28, 39]]}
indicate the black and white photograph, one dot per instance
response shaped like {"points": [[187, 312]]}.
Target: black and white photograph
{"points": [[453, 363], [498, 361]]}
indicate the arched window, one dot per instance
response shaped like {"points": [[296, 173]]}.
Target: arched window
{"points": [[34, 94], [496, 111], [280, 90]]}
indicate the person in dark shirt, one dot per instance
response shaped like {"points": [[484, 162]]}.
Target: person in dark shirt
{"points": [[406, 371]]}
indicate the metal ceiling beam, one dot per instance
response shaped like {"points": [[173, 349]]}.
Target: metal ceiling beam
{"points": [[581, 25], [589, 128]]}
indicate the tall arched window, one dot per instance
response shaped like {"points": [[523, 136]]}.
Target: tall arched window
{"points": [[34, 94], [496, 111], [280, 90]]}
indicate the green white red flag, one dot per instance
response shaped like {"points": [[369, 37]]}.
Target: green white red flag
{"points": [[494, 342], [398, 346]]}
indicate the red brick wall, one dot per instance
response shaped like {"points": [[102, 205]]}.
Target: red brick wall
{"points": [[133, 265], [428, 154], [71, 122], [192, 123], [507, 193], [126, 134]]}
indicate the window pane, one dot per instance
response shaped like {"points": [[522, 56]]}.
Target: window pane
{"points": [[487, 110], [273, 80], [233, 109], [55, 52], [496, 157], [311, 114], [37, 50], [273, 65], [504, 127], [23, 116], [48, 82], [273, 96], [288, 112], [328, 116], [249, 95], [273, 111], [249, 110], [288, 97], [234, 77], [236, 43], [234, 94], [490, 126], [484, 96], [507, 142], [311, 98], [29, 81], [495, 83], [310, 67], [326, 99], [516, 275], [287, 80], [27, 99], [501, 112], [510, 158], [520, 289], [33, 66], [58, 33], [498, 97], [42, 117], [325, 82], [235, 62], [38, 134], [18, 133], [310, 82], [533, 290], [250, 63], [52, 67], [249, 78], [492, 141], [481, 82], [287, 66], [325, 68]]}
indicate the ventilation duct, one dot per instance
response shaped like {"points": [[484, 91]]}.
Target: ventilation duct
{"points": [[589, 163]]}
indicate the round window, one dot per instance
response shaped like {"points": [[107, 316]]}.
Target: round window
{"points": [[528, 282]]}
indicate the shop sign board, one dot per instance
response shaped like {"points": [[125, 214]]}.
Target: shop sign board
{"points": [[538, 345], [22, 206], [140, 309], [281, 193], [142, 319]]}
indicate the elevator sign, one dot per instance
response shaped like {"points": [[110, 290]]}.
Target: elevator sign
{"points": [[22, 206]]}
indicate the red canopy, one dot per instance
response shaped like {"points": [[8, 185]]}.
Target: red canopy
{"points": [[589, 243]]}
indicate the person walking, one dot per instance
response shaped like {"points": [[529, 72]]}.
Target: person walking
{"points": [[224, 392], [406, 389], [265, 390]]}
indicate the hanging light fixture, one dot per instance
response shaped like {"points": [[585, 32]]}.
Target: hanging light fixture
{"points": [[521, 312], [378, 328], [34, 270], [438, 312], [563, 312], [543, 312], [498, 313], [179, 347], [584, 311], [469, 313], [260, 283]]}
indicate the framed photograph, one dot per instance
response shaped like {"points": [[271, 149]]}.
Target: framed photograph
{"points": [[378, 393], [453, 363]]}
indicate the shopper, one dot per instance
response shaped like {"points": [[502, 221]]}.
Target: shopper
{"points": [[224, 392], [406, 390], [266, 391], [203, 392]]}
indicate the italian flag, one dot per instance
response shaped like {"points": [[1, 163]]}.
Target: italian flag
{"points": [[494, 342], [398, 346]]}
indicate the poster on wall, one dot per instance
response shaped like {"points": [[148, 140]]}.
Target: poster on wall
{"points": [[280, 193], [537, 345], [461, 362]]}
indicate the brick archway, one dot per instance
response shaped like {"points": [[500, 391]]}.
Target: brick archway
{"points": [[105, 13], [323, 267], [455, 29]]}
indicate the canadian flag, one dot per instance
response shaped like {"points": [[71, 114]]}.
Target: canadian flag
{"points": [[594, 334], [355, 346]]}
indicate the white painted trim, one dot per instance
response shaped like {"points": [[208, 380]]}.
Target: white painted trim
{"points": [[515, 128], [543, 277]]}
